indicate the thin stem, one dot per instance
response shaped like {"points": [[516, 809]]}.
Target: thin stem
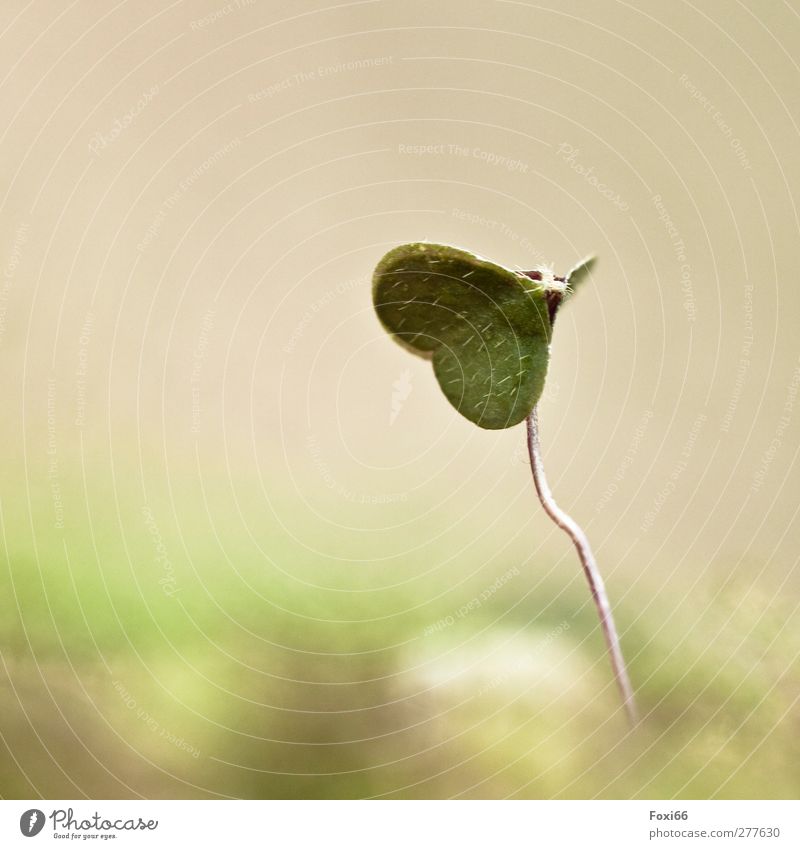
{"points": [[576, 534]]}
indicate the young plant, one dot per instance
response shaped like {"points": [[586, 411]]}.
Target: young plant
{"points": [[487, 330]]}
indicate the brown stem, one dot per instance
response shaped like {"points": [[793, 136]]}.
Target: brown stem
{"points": [[598, 590]]}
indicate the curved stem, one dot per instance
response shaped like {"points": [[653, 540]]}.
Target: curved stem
{"points": [[576, 534]]}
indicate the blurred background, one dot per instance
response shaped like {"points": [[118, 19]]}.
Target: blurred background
{"points": [[248, 549]]}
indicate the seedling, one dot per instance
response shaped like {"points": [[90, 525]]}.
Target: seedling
{"points": [[487, 330]]}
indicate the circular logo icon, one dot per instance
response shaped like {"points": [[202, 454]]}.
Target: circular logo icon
{"points": [[31, 822]]}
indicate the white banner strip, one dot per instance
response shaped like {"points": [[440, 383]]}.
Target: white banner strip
{"points": [[404, 824]]}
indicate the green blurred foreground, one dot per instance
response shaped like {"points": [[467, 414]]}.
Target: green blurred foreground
{"points": [[142, 662]]}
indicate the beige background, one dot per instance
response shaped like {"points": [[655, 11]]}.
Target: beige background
{"points": [[186, 329]]}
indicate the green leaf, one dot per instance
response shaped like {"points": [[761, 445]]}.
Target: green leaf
{"points": [[485, 327], [579, 274]]}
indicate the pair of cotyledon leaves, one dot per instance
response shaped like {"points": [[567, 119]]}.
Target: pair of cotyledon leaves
{"points": [[486, 328]]}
